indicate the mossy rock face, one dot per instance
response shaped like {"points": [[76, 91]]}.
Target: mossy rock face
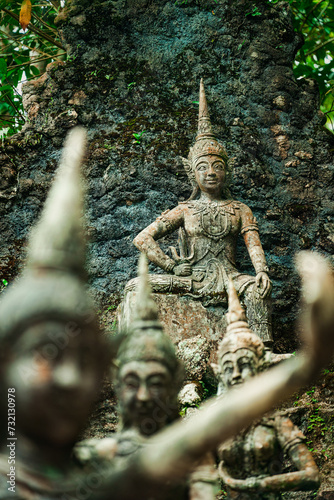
{"points": [[134, 68]]}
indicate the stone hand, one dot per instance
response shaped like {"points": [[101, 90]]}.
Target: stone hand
{"points": [[182, 269], [248, 484], [251, 483], [263, 283]]}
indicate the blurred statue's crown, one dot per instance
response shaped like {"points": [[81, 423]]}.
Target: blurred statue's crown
{"points": [[146, 340], [52, 285], [238, 334]]}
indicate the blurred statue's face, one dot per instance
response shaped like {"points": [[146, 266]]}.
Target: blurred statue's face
{"points": [[210, 173], [237, 367], [146, 394], [54, 371]]}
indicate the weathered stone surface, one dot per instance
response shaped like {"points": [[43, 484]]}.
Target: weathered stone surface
{"points": [[194, 329], [196, 354], [104, 418], [189, 396]]}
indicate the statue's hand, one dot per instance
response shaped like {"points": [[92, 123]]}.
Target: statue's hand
{"points": [[183, 269], [263, 283], [251, 483]]}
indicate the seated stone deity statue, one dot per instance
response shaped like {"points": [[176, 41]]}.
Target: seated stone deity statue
{"points": [[209, 224], [147, 379], [252, 462]]}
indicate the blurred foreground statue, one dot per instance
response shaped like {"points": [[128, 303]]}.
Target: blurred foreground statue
{"points": [[53, 358], [251, 463], [53, 355], [148, 377], [209, 224]]}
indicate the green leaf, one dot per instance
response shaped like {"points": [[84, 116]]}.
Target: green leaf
{"points": [[34, 70], [5, 88], [3, 68], [138, 136]]}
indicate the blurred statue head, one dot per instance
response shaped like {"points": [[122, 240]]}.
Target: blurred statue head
{"points": [[241, 354], [52, 351], [149, 375]]}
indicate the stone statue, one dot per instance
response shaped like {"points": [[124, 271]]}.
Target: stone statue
{"points": [[148, 377], [53, 354], [251, 463], [209, 224], [52, 358]]}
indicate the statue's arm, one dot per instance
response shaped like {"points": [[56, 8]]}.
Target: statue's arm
{"points": [[292, 441], [146, 242], [99, 450], [305, 478], [204, 481], [250, 233]]}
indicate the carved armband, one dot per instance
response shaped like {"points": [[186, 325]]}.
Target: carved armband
{"points": [[289, 434], [168, 224], [250, 227], [263, 269]]}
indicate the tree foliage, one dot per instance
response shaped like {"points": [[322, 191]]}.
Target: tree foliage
{"points": [[315, 20], [24, 54]]}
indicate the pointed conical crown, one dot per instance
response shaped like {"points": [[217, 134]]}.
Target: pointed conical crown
{"points": [[146, 340], [204, 123], [236, 317], [206, 143], [57, 242], [146, 313], [238, 334]]}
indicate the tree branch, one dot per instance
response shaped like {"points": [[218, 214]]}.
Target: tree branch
{"points": [[55, 3], [8, 99], [44, 23], [33, 61], [310, 12], [17, 42], [35, 30], [319, 47]]}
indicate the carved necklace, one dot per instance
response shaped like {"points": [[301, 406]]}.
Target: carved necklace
{"points": [[215, 218]]}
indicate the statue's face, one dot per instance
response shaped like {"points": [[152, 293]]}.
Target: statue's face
{"points": [[145, 393], [210, 173], [55, 373], [237, 367]]}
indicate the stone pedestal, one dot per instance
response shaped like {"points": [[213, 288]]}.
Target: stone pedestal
{"points": [[195, 330]]}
